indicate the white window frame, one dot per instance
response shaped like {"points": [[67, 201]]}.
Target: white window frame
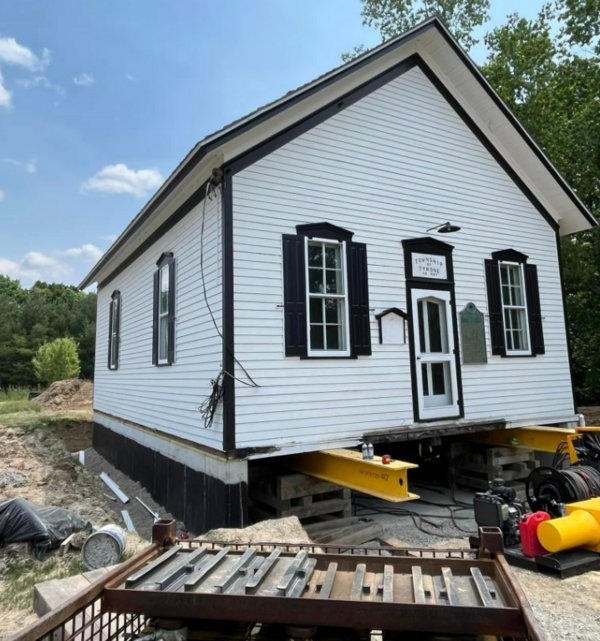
{"points": [[523, 307], [322, 353], [165, 268], [114, 337]]}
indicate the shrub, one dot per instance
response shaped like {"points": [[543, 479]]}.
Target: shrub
{"points": [[57, 361]]}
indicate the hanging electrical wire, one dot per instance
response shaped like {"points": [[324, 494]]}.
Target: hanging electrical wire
{"points": [[209, 406]]}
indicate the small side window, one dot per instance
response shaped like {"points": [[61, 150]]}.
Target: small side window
{"points": [[514, 308], [114, 329], [163, 339]]}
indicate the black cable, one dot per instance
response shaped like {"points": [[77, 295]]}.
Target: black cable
{"points": [[210, 404]]}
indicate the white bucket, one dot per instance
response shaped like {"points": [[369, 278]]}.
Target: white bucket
{"points": [[103, 547]]}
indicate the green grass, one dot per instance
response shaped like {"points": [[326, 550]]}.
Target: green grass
{"points": [[20, 581], [12, 407], [14, 394], [31, 421]]}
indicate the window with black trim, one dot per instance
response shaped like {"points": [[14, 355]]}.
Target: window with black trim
{"points": [[114, 330], [326, 298], [514, 305], [163, 348]]}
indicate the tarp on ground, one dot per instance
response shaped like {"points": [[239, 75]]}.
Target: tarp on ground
{"points": [[44, 526]]}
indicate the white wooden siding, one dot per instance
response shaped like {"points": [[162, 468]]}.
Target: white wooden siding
{"points": [[166, 398], [389, 167]]}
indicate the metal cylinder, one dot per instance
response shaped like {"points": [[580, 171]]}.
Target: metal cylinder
{"points": [[579, 529]]}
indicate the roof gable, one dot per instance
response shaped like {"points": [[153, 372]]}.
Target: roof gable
{"points": [[444, 61]]}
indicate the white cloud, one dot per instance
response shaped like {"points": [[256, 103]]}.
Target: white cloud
{"points": [[35, 266], [1, 195], [84, 80], [30, 165], [12, 53], [58, 268], [130, 77], [119, 179], [5, 95], [41, 81], [88, 253], [110, 237]]}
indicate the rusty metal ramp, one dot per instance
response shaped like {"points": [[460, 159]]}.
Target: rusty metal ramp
{"points": [[418, 591]]}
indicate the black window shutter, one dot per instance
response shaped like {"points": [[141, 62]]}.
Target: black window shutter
{"points": [[155, 319], [110, 330], [534, 310], [117, 302], [494, 293], [294, 295], [358, 297], [171, 320]]}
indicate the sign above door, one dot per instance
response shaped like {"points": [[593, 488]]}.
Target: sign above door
{"points": [[429, 266]]}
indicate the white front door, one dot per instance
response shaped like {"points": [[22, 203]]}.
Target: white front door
{"points": [[434, 353]]}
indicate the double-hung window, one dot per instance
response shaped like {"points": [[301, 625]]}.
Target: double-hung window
{"points": [[114, 329], [514, 308], [327, 298], [163, 339], [326, 293], [163, 315]]}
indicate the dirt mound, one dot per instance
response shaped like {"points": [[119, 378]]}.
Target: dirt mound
{"points": [[287, 530], [71, 394]]}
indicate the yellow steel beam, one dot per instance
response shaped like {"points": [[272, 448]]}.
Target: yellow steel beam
{"points": [[543, 439], [348, 469]]}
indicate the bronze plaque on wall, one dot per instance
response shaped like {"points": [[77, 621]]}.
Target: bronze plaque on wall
{"points": [[472, 334]]}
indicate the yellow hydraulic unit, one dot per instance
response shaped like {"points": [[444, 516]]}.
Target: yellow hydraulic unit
{"points": [[580, 528], [348, 469]]}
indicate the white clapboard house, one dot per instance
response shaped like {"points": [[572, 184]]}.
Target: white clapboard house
{"points": [[320, 284]]}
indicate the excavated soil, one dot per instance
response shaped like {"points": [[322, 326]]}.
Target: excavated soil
{"points": [[287, 530], [71, 394]]}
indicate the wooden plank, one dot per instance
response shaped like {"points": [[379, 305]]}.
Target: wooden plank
{"points": [[482, 588], [114, 487], [66, 544], [388, 584], [450, 586], [417, 581], [321, 507], [331, 536], [357, 583], [293, 486], [327, 585], [333, 524], [368, 532]]}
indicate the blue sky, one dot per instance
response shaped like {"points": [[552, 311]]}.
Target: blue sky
{"points": [[99, 102]]}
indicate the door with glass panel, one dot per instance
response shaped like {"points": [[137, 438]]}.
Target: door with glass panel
{"points": [[433, 332]]}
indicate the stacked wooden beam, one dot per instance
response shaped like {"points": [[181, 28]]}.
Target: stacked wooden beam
{"points": [[274, 497], [477, 468], [345, 531]]}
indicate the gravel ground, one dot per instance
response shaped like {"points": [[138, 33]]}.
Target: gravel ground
{"points": [[565, 608], [141, 518]]}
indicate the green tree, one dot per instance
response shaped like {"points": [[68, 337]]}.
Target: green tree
{"points": [[392, 17], [57, 361], [551, 80]]}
